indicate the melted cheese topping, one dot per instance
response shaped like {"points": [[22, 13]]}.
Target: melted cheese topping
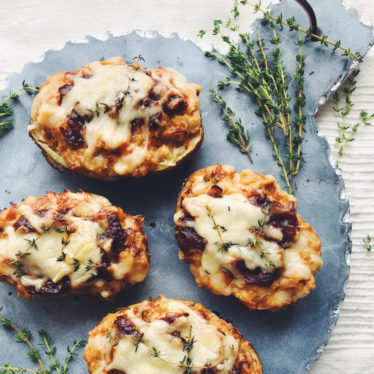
{"points": [[105, 87], [237, 220], [96, 89], [65, 239], [42, 260], [210, 344], [39, 260], [294, 263]]}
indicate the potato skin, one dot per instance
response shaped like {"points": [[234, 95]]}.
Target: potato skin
{"points": [[119, 254], [99, 353], [290, 285], [163, 140]]}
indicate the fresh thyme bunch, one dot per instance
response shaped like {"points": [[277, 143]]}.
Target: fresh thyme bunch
{"points": [[24, 336], [6, 111], [256, 69], [261, 75]]}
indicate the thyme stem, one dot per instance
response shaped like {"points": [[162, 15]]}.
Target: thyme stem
{"points": [[279, 157], [15, 370], [323, 39], [71, 353], [210, 214], [344, 112], [300, 102], [49, 351], [354, 129], [27, 341]]}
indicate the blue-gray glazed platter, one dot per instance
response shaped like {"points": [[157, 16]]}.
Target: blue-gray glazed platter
{"points": [[288, 341]]}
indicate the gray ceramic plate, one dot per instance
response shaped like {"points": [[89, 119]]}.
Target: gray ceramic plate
{"points": [[287, 341]]}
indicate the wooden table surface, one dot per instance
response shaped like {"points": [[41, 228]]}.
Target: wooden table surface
{"points": [[28, 28]]}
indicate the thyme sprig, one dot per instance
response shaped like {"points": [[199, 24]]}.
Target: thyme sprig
{"points": [[300, 120], [24, 336], [236, 132], [350, 137], [258, 71], [6, 123], [187, 347], [343, 112], [308, 32], [71, 354], [262, 76], [256, 242], [347, 130], [218, 228]]}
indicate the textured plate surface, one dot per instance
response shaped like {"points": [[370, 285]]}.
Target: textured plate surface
{"points": [[287, 341]]}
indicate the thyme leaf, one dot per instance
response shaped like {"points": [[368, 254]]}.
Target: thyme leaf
{"points": [[137, 341], [32, 243], [155, 352], [76, 264], [367, 243]]}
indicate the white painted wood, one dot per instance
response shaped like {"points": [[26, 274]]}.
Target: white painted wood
{"points": [[28, 28]]}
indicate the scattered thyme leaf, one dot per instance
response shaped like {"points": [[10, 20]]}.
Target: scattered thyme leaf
{"points": [[367, 243], [109, 336], [22, 254], [76, 264], [225, 270], [89, 265], [224, 247], [61, 258], [32, 243], [19, 269], [138, 339], [155, 352]]}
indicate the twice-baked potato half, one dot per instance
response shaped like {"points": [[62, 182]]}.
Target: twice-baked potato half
{"points": [[71, 243], [168, 336], [241, 235], [109, 119]]}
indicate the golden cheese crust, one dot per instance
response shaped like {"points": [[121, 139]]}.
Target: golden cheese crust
{"points": [[109, 119], [69, 243], [241, 235], [167, 336]]}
